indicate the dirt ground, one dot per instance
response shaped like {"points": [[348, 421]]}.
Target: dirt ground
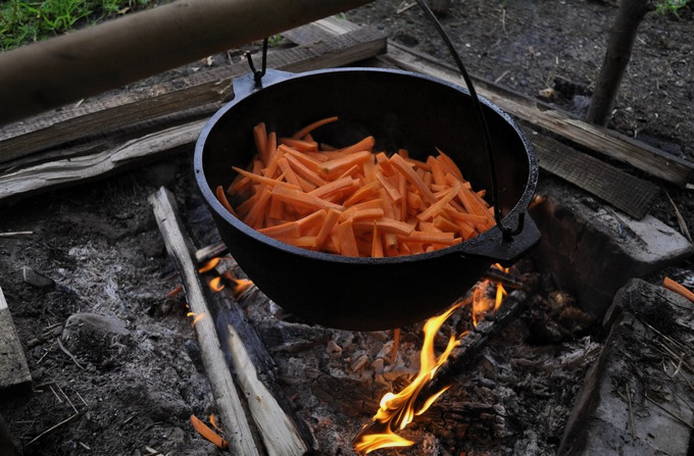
{"points": [[100, 245]]}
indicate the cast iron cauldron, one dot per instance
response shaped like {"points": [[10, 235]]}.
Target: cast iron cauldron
{"points": [[400, 109]]}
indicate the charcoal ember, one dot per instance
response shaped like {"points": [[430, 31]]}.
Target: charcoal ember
{"points": [[95, 337], [558, 300]]}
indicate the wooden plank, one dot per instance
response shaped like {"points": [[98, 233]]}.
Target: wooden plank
{"points": [[205, 87], [602, 140], [630, 194], [51, 175], [236, 426], [14, 371]]}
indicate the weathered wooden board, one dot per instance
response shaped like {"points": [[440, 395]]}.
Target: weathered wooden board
{"points": [[630, 194], [207, 87], [14, 371]]}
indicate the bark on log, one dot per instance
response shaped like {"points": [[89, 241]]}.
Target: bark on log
{"points": [[237, 428], [67, 68], [619, 46]]}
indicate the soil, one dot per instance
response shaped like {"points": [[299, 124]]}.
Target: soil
{"points": [[101, 247]]}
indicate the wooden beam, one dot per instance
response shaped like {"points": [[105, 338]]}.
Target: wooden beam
{"points": [[236, 426], [627, 193], [206, 88], [599, 139], [50, 175], [14, 371], [83, 63]]}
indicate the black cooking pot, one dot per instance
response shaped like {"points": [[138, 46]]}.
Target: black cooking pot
{"points": [[400, 109]]}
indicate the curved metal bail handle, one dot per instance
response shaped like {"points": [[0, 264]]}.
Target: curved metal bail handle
{"points": [[258, 74], [508, 233]]}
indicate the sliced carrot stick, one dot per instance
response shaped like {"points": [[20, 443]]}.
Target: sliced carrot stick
{"points": [[346, 240], [367, 214], [300, 145], [328, 224], [430, 238], [437, 171], [431, 228], [449, 165], [309, 162], [384, 164], [363, 193], [260, 137], [288, 172], [257, 212], [305, 242], [418, 164], [388, 186], [436, 208], [313, 220], [298, 198], [402, 189], [376, 244], [332, 187], [445, 224], [270, 147], [288, 229], [208, 433], [318, 156], [350, 172], [371, 204], [678, 288], [303, 171], [222, 197], [312, 126], [265, 180], [338, 165], [403, 167], [388, 225], [404, 153], [365, 144]]}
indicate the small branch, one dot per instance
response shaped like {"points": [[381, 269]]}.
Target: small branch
{"points": [[53, 428], [16, 233]]}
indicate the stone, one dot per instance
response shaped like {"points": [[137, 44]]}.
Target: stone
{"points": [[622, 407], [36, 279], [95, 336], [593, 250], [14, 372]]}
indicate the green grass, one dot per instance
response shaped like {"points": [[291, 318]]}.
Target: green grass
{"points": [[23, 21], [670, 6]]}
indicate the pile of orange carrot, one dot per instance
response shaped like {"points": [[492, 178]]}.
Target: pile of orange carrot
{"points": [[354, 201]]}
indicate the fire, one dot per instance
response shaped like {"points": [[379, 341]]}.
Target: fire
{"points": [[242, 285], [210, 265], [398, 410], [216, 284], [196, 317]]}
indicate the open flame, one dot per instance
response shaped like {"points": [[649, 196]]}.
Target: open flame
{"points": [[196, 316], [396, 411], [216, 284]]}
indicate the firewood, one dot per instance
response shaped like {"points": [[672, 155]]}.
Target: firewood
{"points": [[237, 428]]}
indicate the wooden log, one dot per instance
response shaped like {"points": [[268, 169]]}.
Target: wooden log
{"points": [[237, 428], [627, 193], [76, 65], [14, 371], [50, 175], [282, 432], [205, 88]]}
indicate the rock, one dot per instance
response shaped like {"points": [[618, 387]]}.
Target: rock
{"points": [[621, 407], [35, 279], [592, 250], [95, 336]]}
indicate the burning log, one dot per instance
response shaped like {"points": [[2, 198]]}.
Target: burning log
{"points": [[177, 244]]}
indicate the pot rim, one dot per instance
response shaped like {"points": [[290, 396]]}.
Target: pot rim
{"points": [[466, 247]]}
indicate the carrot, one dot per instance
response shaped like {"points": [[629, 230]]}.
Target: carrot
{"points": [[678, 288], [346, 240], [296, 198], [222, 197], [354, 201], [312, 126], [403, 167], [289, 229], [260, 137], [299, 144], [208, 433]]}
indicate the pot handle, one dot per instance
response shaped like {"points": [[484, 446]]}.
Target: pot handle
{"points": [[246, 84], [499, 248]]}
